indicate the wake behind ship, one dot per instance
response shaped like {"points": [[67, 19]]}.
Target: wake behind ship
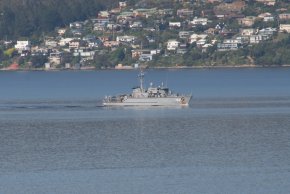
{"points": [[152, 96]]}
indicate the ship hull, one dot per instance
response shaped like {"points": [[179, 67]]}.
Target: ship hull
{"points": [[161, 101]]}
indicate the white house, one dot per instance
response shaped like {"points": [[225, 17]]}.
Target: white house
{"points": [[205, 47], [104, 14], [76, 43], [136, 24], [128, 39], [174, 24], [99, 27], [247, 31], [146, 57], [227, 46], [76, 25], [61, 31], [50, 43], [267, 17], [200, 42], [199, 21], [285, 28], [55, 58], [84, 54], [255, 39], [64, 41], [23, 46], [267, 2], [195, 37], [267, 31], [184, 34], [284, 16], [122, 3], [172, 45]]}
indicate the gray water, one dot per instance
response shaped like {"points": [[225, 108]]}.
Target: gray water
{"points": [[233, 138]]}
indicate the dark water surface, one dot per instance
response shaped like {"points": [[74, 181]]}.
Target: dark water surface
{"points": [[233, 138]]}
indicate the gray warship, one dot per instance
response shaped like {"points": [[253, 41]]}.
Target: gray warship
{"points": [[152, 96]]}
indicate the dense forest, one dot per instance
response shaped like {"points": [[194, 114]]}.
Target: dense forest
{"points": [[28, 17]]}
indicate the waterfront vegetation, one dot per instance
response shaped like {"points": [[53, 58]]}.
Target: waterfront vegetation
{"points": [[226, 43]]}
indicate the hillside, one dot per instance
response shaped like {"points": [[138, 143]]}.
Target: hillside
{"points": [[28, 17]]}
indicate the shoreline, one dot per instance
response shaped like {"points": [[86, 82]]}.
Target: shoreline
{"points": [[156, 67]]}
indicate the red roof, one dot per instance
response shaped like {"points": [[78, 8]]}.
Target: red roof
{"points": [[13, 66]]}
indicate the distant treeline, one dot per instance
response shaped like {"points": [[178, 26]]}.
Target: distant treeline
{"points": [[22, 18]]}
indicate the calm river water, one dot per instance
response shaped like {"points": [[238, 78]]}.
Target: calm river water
{"points": [[233, 138]]}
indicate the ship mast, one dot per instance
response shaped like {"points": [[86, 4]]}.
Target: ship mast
{"points": [[141, 78]]}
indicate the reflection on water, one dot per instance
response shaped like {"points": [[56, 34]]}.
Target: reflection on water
{"points": [[208, 136]]}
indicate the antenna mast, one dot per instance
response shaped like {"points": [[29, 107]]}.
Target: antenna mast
{"points": [[141, 78]]}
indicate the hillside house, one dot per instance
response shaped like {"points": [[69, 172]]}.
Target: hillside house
{"points": [[84, 54], [284, 28], [61, 31], [104, 14], [136, 24], [247, 31], [77, 32], [122, 4], [174, 25], [266, 17], [37, 50], [228, 45], [172, 45], [200, 42], [55, 58], [205, 47], [165, 12], [23, 46], [115, 11], [127, 39], [207, 13], [64, 41], [211, 31], [111, 44], [184, 34], [102, 20], [195, 37], [126, 15], [145, 12], [284, 16], [267, 31], [51, 43], [77, 43], [113, 26], [234, 7], [267, 2], [150, 39], [145, 57], [247, 21], [184, 13], [182, 49], [99, 27], [199, 21], [77, 25], [137, 53], [94, 43], [255, 39]]}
